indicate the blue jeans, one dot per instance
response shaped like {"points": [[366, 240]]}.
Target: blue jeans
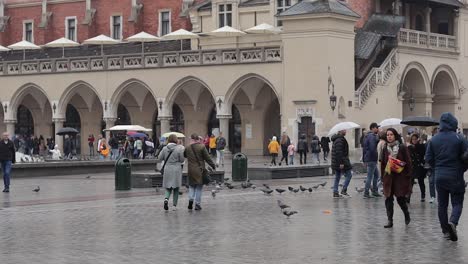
{"points": [[291, 160], [432, 188], [6, 168], [115, 154], [348, 175], [372, 175], [316, 156], [195, 193], [457, 206]]}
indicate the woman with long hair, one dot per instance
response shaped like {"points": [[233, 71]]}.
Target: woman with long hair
{"points": [[396, 177]]}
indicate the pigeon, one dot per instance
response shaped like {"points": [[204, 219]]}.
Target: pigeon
{"points": [[289, 213], [310, 189], [360, 190], [89, 176], [226, 179], [213, 193], [266, 191], [316, 186], [37, 189], [218, 188], [302, 188], [230, 187], [295, 190], [280, 191], [246, 184], [266, 186], [290, 188], [253, 187], [323, 184], [282, 205]]}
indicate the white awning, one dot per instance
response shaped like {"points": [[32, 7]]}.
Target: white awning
{"points": [[263, 28], [23, 45], [101, 40], [61, 43], [143, 37], [226, 31], [180, 35]]}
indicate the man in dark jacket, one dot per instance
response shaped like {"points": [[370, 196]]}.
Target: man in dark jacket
{"points": [[444, 153], [370, 157], [341, 163], [7, 157], [302, 148], [324, 143]]}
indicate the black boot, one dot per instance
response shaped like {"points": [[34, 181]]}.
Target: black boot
{"points": [[389, 208], [407, 217], [389, 224], [404, 207]]}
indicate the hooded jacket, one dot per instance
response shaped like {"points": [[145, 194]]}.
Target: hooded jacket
{"points": [[369, 147], [340, 153], [444, 152]]}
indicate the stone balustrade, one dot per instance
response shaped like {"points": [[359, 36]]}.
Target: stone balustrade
{"points": [[414, 38]]}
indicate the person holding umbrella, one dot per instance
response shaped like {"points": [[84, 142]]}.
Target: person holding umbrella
{"points": [[396, 175]]}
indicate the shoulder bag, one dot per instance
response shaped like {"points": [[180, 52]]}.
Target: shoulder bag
{"points": [[165, 162], [206, 179]]}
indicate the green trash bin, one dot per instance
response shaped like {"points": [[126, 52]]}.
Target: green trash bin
{"points": [[239, 167], [123, 174]]}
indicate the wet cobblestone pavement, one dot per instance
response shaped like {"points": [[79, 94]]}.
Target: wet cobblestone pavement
{"points": [[78, 220]]}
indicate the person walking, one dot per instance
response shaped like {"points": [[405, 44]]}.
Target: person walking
{"points": [[444, 152], [302, 148], [173, 157], [285, 142], [417, 151], [103, 149], [91, 140], [212, 145], [7, 158], [370, 158], [340, 163], [273, 148], [67, 147], [138, 147], [196, 155], [98, 145], [430, 171], [315, 148], [220, 146], [114, 145], [325, 144], [396, 182], [291, 152]]}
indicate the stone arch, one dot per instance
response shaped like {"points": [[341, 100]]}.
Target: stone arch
{"points": [[71, 91], [179, 85], [414, 67], [415, 90], [451, 74], [35, 91], [445, 91], [237, 85], [123, 88]]}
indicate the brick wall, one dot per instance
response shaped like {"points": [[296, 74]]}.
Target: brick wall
{"points": [[148, 20], [365, 8]]}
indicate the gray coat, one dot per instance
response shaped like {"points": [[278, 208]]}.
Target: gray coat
{"points": [[172, 177]]}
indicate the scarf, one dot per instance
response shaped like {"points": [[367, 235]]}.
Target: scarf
{"points": [[393, 148]]}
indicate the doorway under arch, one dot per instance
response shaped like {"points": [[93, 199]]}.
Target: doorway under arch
{"points": [[73, 119], [25, 124]]}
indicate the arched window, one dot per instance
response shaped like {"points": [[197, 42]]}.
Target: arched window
{"points": [[25, 125], [177, 122]]}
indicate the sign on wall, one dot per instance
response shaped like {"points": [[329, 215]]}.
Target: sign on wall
{"points": [[248, 131]]}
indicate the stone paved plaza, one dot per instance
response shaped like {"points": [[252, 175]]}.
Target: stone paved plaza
{"points": [[78, 220]]}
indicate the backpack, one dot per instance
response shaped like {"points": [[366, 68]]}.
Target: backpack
{"points": [[315, 146]]}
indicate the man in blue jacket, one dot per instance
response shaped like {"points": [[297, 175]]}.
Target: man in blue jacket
{"points": [[444, 153], [370, 157]]}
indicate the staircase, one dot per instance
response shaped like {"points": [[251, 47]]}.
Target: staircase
{"points": [[377, 76]]}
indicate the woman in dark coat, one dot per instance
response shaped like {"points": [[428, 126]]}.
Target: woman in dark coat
{"points": [[396, 184], [417, 151]]}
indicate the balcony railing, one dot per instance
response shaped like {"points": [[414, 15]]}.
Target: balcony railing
{"points": [[140, 61], [414, 38]]}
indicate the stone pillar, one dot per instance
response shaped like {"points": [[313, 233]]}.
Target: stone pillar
{"points": [[165, 124], [428, 11], [407, 16], [224, 127], [10, 127], [456, 20], [59, 139], [396, 7], [110, 122]]}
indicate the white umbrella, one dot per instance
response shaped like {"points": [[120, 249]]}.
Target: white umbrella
{"points": [[226, 31], [263, 28], [180, 34], [62, 43], [143, 37], [390, 122], [178, 134], [24, 45], [101, 40], [128, 128], [342, 126], [3, 48]]}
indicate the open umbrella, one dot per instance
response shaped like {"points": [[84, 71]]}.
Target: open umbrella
{"points": [[342, 126], [67, 131], [128, 128], [180, 34], [422, 121], [390, 122], [226, 31], [179, 135], [62, 43], [137, 135], [3, 48], [143, 37], [263, 28], [24, 45], [101, 40]]}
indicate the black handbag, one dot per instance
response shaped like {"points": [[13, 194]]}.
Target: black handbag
{"points": [[165, 162], [206, 178]]}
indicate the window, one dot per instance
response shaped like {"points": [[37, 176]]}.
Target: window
{"points": [[282, 5], [225, 15], [116, 27], [164, 23], [70, 28], [28, 28]]}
